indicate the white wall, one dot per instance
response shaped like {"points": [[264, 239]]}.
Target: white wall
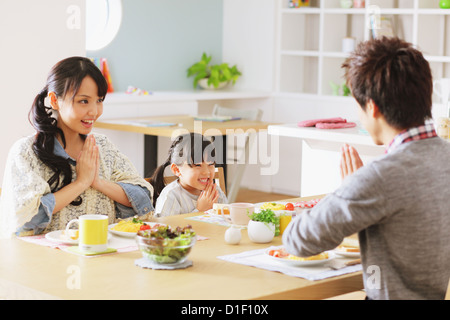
{"points": [[34, 35], [248, 41]]}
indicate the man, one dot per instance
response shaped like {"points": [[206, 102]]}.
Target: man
{"points": [[399, 204]]}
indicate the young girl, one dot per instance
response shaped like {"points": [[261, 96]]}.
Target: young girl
{"points": [[62, 172], [191, 159]]}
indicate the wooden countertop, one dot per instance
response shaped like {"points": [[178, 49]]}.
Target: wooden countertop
{"points": [[182, 124]]}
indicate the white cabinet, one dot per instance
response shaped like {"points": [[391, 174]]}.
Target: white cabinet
{"points": [[309, 51]]}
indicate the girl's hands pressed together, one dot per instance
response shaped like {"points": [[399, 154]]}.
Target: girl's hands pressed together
{"points": [[208, 197]]}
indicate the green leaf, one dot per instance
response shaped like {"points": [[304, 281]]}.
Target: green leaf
{"points": [[200, 75], [215, 73]]}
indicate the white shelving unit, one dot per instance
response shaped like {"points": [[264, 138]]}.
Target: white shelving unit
{"points": [[309, 43]]}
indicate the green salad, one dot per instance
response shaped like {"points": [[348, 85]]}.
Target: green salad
{"points": [[166, 245]]}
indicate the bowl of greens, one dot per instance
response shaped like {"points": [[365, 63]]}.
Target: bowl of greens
{"points": [[164, 245]]}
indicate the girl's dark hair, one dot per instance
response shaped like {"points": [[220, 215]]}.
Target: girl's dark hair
{"points": [[64, 78], [396, 76], [189, 148]]}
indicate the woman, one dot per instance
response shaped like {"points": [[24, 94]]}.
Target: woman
{"points": [[63, 171]]}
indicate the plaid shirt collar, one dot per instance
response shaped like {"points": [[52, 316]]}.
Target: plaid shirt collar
{"points": [[413, 134]]}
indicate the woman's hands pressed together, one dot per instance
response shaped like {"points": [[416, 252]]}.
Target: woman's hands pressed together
{"points": [[87, 163], [87, 169]]}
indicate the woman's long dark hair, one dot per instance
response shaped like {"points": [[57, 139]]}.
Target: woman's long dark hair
{"points": [[64, 78], [189, 148]]}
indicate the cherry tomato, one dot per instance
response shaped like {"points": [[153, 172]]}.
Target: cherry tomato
{"points": [[144, 227], [289, 206]]}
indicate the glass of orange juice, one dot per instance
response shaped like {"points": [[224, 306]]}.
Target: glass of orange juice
{"points": [[285, 219]]}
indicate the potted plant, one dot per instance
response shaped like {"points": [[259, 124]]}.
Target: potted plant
{"points": [[262, 226], [212, 76]]}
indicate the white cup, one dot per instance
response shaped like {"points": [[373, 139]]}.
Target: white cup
{"points": [[442, 89], [240, 213]]}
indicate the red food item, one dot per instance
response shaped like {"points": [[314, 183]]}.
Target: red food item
{"points": [[144, 227], [278, 253], [307, 204], [289, 206], [312, 123], [324, 125]]}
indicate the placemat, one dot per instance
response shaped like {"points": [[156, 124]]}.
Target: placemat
{"points": [[116, 244], [213, 219], [258, 259], [119, 244]]}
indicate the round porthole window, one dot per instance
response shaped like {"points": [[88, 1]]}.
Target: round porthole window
{"points": [[103, 18]]}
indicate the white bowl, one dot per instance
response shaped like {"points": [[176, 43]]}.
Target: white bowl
{"points": [[260, 232]]}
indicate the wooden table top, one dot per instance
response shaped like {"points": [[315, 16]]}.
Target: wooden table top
{"points": [[182, 124], [34, 271]]}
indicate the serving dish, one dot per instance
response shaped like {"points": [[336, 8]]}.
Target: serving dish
{"points": [[128, 234]]}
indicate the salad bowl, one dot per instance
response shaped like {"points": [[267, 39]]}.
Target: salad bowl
{"points": [[164, 245]]}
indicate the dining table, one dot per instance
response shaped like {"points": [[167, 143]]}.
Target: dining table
{"points": [[32, 271]]}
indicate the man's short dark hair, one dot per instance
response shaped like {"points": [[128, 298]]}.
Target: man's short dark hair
{"points": [[396, 76]]}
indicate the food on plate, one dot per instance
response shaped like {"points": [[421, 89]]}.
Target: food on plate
{"points": [[281, 253], [165, 245], [132, 226], [306, 204], [347, 249], [273, 206], [320, 256], [289, 206], [349, 245], [69, 234], [221, 208]]}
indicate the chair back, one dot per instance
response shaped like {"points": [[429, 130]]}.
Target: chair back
{"points": [[248, 114]]}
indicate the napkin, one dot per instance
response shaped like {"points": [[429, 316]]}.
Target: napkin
{"points": [[258, 259]]}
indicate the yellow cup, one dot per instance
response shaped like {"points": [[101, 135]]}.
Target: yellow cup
{"points": [[93, 232], [285, 219]]}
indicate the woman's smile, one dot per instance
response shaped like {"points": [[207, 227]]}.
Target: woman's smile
{"points": [[87, 123]]}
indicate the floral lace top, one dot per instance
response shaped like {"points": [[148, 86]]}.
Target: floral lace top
{"points": [[26, 193]]}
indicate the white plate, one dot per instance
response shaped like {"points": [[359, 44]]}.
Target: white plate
{"points": [[347, 254], [129, 234], [298, 263], [55, 236]]}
